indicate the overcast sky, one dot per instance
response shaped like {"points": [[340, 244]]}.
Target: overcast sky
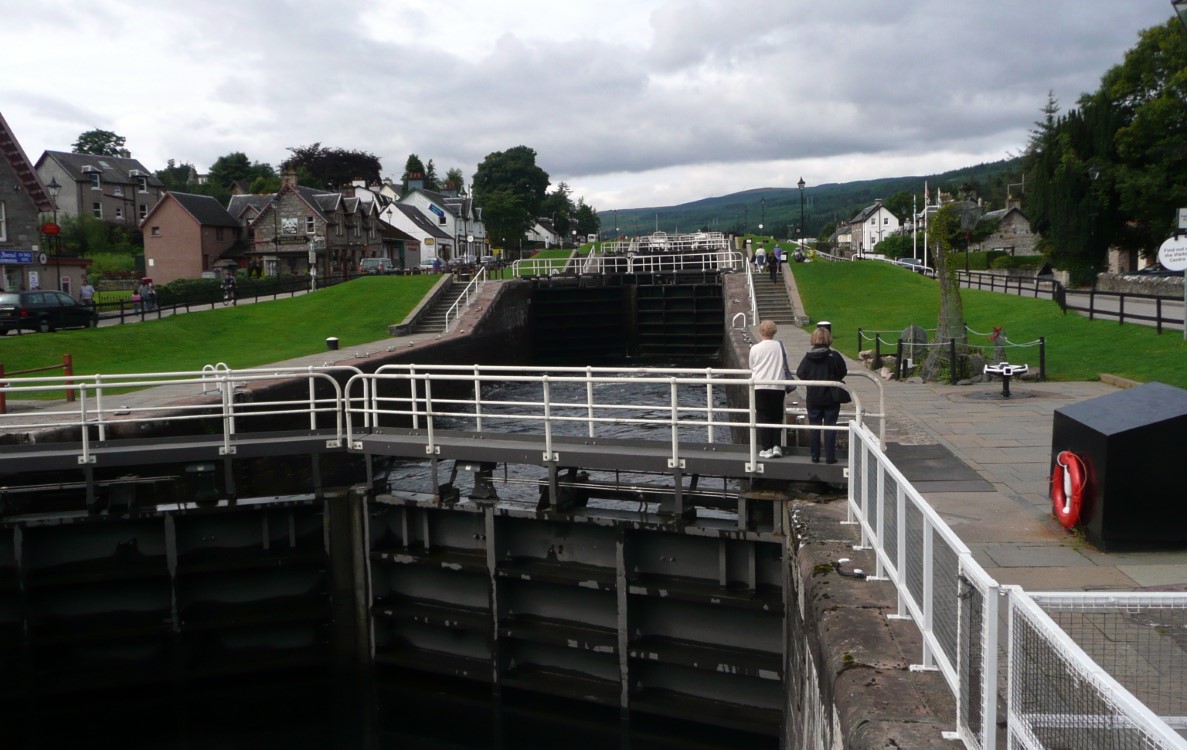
{"points": [[633, 103]]}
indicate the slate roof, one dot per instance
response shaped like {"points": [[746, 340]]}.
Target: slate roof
{"points": [[206, 210], [239, 204], [112, 169], [422, 222]]}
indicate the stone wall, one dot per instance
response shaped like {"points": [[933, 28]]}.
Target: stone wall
{"points": [[1138, 283]]}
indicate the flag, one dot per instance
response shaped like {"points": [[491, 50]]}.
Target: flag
{"points": [[926, 195]]}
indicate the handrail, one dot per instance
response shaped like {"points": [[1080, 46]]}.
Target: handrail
{"points": [[105, 403], [753, 297], [558, 403], [466, 297]]}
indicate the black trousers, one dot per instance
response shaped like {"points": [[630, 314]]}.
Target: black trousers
{"points": [[768, 409]]}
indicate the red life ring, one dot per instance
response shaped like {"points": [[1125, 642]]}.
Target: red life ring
{"points": [[1067, 488]]}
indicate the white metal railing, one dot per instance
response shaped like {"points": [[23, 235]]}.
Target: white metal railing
{"points": [[1056, 696], [753, 297], [104, 402], [568, 400], [467, 296], [596, 263]]}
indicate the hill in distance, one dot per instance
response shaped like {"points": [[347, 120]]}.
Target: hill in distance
{"points": [[742, 212]]}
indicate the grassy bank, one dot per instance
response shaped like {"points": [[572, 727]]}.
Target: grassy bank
{"points": [[881, 297], [357, 313]]}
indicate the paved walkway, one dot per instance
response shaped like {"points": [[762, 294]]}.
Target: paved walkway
{"points": [[997, 498]]}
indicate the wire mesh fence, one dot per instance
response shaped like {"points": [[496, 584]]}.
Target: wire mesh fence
{"points": [[1082, 670]]}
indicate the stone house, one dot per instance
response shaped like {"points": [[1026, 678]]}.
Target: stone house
{"points": [[24, 206], [186, 234], [109, 188], [870, 226], [1012, 235], [300, 230]]}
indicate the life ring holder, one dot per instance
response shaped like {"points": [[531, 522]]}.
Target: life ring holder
{"points": [[1068, 481]]}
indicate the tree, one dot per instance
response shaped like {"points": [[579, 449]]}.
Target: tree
{"points": [[946, 226], [457, 180], [896, 246], [558, 206], [175, 176], [101, 143], [414, 168], [507, 219], [588, 221], [330, 168], [899, 204], [514, 171], [431, 180]]}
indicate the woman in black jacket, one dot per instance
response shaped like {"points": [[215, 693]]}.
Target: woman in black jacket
{"points": [[823, 363]]}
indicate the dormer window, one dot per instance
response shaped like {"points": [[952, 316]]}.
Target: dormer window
{"points": [[142, 184], [96, 181], [309, 225]]}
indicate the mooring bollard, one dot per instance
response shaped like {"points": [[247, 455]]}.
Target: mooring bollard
{"points": [[332, 343]]}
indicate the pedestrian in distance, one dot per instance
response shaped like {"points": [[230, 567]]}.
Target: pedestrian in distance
{"points": [[760, 257], [773, 266], [230, 289], [86, 293], [768, 361], [822, 362]]}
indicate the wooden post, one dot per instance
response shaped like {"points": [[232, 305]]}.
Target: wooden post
{"points": [[68, 371]]}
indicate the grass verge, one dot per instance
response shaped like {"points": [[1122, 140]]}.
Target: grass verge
{"points": [[357, 312], [882, 297]]}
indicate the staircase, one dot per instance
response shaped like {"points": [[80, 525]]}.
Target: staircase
{"points": [[433, 319], [773, 303]]}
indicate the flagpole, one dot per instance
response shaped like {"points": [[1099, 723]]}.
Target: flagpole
{"points": [[926, 204], [914, 229]]}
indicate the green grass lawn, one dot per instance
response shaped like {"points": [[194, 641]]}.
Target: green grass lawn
{"points": [[357, 312], [881, 297]]}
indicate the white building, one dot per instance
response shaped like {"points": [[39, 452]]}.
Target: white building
{"points": [[872, 225]]}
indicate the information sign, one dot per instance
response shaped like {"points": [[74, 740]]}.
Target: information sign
{"points": [[1173, 254]]}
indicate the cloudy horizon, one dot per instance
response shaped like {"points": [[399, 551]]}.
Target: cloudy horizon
{"points": [[632, 103]]}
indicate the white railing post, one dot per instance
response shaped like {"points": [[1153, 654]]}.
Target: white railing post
{"points": [[477, 398], [589, 401], [673, 399]]}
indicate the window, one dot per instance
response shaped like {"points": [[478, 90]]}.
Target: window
{"points": [[96, 182], [218, 234], [119, 212], [309, 225], [97, 210], [441, 220], [142, 184], [338, 228], [143, 210], [117, 191], [3, 223]]}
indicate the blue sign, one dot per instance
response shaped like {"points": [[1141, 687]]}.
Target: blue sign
{"points": [[16, 256], [439, 212]]}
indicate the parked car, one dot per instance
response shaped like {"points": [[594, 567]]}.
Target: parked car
{"points": [[426, 265], [915, 264], [462, 260], [491, 262], [376, 265], [44, 310]]}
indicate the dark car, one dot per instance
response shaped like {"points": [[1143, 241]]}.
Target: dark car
{"points": [[44, 310]]}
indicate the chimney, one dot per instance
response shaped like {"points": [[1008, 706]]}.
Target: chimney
{"points": [[289, 179], [416, 181]]}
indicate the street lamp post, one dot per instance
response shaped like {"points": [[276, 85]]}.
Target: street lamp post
{"points": [[763, 218], [801, 226], [54, 188]]}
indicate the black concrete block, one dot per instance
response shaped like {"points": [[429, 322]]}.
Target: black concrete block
{"points": [[1132, 443]]}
